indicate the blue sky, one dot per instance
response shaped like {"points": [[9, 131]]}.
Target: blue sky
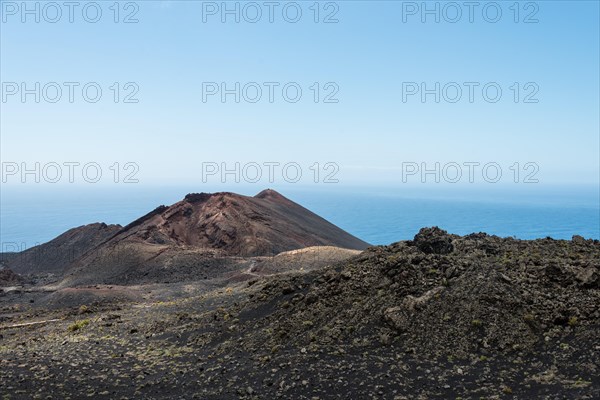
{"points": [[368, 54]]}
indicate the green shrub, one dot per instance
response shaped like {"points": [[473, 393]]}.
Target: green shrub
{"points": [[78, 325]]}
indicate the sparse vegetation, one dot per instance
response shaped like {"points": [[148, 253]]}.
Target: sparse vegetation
{"points": [[507, 390], [83, 309], [78, 325]]}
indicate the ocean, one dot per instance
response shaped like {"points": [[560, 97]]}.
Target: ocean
{"points": [[377, 215]]}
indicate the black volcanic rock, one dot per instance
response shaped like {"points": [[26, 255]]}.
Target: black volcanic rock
{"points": [[8, 277], [445, 322], [433, 241], [452, 295], [495, 318]]}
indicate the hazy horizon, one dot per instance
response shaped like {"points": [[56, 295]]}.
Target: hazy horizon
{"points": [[326, 102], [379, 215]]}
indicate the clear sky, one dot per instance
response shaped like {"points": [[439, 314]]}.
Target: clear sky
{"points": [[369, 55]]}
